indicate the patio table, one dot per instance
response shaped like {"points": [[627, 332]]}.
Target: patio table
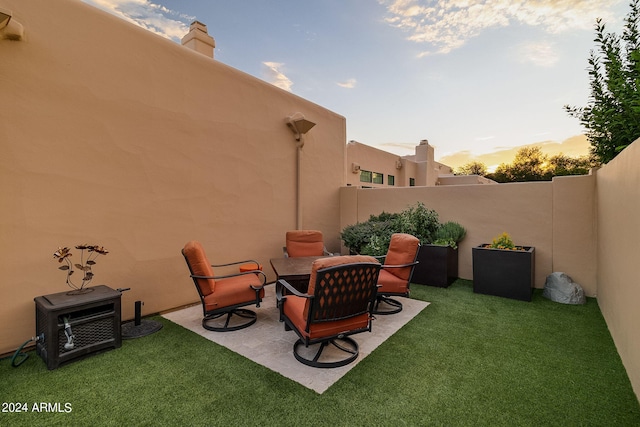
{"points": [[295, 270]]}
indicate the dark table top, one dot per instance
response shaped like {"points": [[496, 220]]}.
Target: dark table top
{"points": [[293, 267]]}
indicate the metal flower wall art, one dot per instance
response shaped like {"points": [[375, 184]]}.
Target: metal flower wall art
{"points": [[87, 261]]}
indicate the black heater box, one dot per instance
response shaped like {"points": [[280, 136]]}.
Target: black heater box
{"points": [[94, 316]]}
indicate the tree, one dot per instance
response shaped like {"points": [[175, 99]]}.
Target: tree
{"points": [[528, 165], [612, 115], [560, 165], [472, 168]]}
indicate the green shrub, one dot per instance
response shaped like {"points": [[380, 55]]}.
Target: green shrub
{"points": [[372, 237], [449, 234], [420, 222]]}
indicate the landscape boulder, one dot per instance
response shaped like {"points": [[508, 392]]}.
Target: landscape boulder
{"points": [[559, 287]]}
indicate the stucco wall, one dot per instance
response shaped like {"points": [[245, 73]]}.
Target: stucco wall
{"points": [[618, 201], [485, 211], [111, 135], [530, 212]]}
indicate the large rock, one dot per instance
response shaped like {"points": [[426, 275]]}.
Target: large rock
{"points": [[561, 288]]}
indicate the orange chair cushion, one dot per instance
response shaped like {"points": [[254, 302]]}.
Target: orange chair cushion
{"points": [[233, 290], [392, 284], [251, 266], [304, 243], [402, 250], [200, 266], [295, 307]]}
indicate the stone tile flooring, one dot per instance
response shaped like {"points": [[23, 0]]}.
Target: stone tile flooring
{"points": [[267, 343]]}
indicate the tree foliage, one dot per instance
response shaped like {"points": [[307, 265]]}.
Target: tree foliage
{"points": [[612, 115], [531, 164], [472, 168]]}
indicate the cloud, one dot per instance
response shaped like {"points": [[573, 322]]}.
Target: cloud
{"points": [[349, 84], [542, 54], [446, 25], [150, 16], [274, 76]]}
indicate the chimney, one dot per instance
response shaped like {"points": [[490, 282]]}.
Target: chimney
{"points": [[199, 40]]}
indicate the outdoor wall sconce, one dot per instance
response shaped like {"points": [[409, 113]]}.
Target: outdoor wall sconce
{"points": [[5, 17], [299, 126], [9, 28]]}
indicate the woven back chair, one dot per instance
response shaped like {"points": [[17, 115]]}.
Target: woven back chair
{"points": [[338, 303]]}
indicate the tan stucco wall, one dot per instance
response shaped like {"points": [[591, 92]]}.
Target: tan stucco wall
{"points": [[575, 228], [618, 201], [523, 210], [530, 212], [114, 136]]}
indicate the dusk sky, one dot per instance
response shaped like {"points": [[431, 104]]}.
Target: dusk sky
{"points": [[468, 75]]}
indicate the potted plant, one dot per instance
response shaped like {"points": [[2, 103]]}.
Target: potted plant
{"points": [[503, 269], [63, 255], [438, 261]]}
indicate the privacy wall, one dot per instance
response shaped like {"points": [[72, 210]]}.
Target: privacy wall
{"points": [[114, 136], [557, 218], [618, 237]]}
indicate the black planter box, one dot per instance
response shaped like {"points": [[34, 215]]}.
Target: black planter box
{"points": [[504, 273], [437, 266]]}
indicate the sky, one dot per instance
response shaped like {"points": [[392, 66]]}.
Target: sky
{"points": [[470, 76]]}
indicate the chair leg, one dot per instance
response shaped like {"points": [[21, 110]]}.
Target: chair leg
{"points": [[216, 322], [344, 344], [395, 304]]}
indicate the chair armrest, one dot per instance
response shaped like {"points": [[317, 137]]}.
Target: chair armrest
{"points": [[236, 262], [284, 284], [284, 252], [399, 265], [226, 276]]}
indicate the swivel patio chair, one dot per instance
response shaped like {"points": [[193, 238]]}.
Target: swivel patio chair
{"points": [[396, 273], [301, 243], [223, 296], [338, 303]]}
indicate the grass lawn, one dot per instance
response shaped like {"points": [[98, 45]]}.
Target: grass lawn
{"points": [[467, 359]]}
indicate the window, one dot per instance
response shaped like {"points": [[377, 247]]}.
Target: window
{"points": [[378, 178], [412, 182], [391, 180], [365, 176]]}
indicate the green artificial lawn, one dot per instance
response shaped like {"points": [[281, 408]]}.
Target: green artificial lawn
{"points": [[467, 359]]}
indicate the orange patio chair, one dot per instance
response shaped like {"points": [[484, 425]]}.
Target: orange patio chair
{"points": [[338, 303], [301, 243], [223, 296], [395, 276]]}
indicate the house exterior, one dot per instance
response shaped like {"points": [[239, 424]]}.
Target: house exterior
{"points": [[369, 167]]}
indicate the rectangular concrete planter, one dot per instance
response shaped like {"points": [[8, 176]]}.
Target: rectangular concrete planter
{"points": [[504, 273], [437, 266]]}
